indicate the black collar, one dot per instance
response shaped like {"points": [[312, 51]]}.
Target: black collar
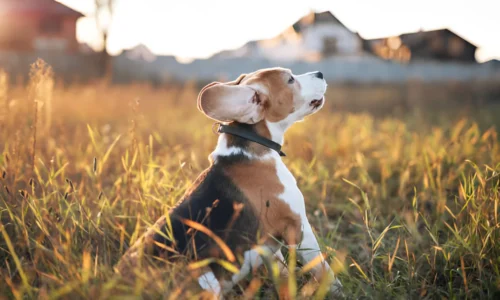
{"points": [[251, 136]]}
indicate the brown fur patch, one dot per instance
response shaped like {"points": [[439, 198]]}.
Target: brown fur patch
{"points": [[260, 184], [279, 101]]}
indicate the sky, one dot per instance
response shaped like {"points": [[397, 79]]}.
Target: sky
{"points": [[191, 29]]}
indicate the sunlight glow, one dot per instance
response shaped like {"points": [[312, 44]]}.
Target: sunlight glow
{"points": [[197, 29]]}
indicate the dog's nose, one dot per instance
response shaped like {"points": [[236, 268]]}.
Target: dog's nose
{"points": [[319, 75]]}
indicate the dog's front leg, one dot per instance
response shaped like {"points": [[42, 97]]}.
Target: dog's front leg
{"points": [[209, 282], [308, 250], [280, 259], [253, 259]]}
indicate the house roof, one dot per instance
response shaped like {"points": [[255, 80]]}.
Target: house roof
{"points": [[493, 61], [417, 36], [51, 7], [325, 17], [140, 51]]}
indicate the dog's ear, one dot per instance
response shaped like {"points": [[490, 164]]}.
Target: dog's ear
{"points": [[227, 102]]}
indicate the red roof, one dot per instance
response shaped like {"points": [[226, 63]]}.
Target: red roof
{"points": [[50, 7]]}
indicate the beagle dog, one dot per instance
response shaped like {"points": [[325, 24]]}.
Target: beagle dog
{"points": [[247, 202]]}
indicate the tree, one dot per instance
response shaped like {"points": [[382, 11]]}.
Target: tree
{"points": [[103, 17]]}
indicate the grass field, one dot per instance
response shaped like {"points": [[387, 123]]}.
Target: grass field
{"points": [[403, 209]]}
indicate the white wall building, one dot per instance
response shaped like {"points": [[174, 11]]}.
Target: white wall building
{"points": [[312, 38]]}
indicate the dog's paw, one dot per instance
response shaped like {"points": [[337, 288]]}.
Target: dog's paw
{"points": [[226, 286], [336, 289]]}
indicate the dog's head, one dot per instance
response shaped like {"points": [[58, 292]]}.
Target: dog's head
{"points": [[275, 95]]}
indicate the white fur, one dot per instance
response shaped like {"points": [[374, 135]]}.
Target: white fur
{"points": [[223, 150], [253, 259], [308, 248], [209, 282], [312, 87]]}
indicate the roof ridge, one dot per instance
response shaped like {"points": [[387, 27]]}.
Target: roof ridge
{"points": [[46, 6]]}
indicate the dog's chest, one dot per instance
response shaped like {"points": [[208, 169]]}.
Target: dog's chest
{"points": [[291, 193]]}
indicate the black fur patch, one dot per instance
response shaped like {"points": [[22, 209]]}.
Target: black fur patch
{"points": [[239, 142], [216, 203]]}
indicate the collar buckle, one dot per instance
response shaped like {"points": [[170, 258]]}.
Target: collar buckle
{"points": [[218, 129]]}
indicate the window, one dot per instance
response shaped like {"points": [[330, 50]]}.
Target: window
{"points": [[51, 25], [456, 46], [436, 43], [329, 46]]}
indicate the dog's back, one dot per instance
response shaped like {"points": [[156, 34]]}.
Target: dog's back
{"points": [[217, 204]]}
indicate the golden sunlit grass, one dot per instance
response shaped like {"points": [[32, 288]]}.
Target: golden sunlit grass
{"points": [[401, 210]]}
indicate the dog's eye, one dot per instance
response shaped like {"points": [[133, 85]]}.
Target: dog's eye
{"points": [[291, 80]]}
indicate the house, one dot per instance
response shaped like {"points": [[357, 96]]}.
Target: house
{"points": [[323, 33], [312, 38], [441, 45], [140, 52], [37, 25]]}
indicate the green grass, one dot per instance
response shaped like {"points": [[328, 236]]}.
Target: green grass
{"points": [[403, 209]]}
